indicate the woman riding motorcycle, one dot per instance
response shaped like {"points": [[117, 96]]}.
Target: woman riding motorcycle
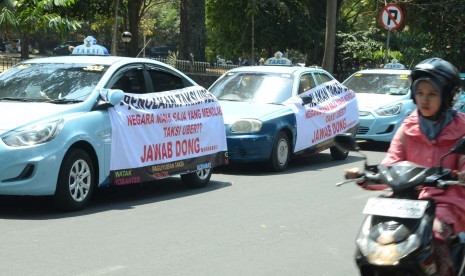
{"points": [[427, 134]]}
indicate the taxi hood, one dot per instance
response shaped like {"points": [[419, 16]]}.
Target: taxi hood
{"points": [[369, 102], [17, 114], [233, 111]]}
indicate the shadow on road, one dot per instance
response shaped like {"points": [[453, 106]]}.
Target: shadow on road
{"points": [[130, 196], [373, 146], [105, 199], [314, 162]]}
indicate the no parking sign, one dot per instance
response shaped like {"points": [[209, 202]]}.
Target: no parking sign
{"points": [[391, 17]]}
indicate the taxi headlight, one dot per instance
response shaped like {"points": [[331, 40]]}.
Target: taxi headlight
{"points": [[246, 125], [34, 135], [390, 110]]}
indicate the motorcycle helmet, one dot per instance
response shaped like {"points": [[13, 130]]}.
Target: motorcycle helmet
{"points": [[442, 74]]}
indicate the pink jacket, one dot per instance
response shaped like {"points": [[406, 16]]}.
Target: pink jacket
{"points": [[410, 144]]}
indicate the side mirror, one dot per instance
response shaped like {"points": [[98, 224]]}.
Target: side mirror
{"points": [[112, 96], [459, 146], [346, 142], [306, 99]]}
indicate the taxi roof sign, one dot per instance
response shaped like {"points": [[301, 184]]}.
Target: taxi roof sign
{"points": [[394, 65], [91, 48], [278, 59]]}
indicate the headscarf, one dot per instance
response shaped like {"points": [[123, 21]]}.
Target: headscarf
{"points": [[433, 125]]}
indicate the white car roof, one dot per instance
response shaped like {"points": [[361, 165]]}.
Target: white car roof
{"points": [[384, 71], [103, 60], [277, 69]]}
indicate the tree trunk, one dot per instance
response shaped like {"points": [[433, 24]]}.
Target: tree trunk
{"points": [[134, 7], [25, 42], [330, 40], [192, 30], [114, 43]]}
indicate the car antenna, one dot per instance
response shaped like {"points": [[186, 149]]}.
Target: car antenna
{"points": [[143, 48]]}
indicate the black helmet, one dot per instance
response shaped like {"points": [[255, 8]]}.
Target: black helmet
{"points": [[443, 74]]}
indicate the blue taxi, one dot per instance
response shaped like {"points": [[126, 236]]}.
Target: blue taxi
{"points": [[384, 99], [56, 132], [278, 111], [459, 103]]}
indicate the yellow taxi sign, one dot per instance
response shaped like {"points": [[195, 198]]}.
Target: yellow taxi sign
{"points": [[278, 59]]}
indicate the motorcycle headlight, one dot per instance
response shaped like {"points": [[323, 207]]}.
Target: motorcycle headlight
{"points": [[246, 125], [390, 110], [34, 135], [380, 252]]}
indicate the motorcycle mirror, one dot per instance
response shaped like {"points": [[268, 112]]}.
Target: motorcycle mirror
{"points": [[459, 147], [346, 141]]}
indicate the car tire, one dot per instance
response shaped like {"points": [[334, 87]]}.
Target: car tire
{"points": [[338, 154], [280, 153], [197, 179], [76, 181]]}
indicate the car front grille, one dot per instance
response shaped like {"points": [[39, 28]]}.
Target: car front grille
{"points": [[362, 130]]}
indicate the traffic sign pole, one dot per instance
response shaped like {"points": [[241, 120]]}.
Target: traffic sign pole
{"points": [[391, 18], [386, 55]]}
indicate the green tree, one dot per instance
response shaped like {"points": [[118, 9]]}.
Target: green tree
{"points": [[430, 28], [28, 16]]}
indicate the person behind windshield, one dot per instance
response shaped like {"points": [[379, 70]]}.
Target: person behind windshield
{"points": [[428, 133]]}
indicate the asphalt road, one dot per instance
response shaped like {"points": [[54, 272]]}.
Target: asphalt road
{"points": [[248, 221]]}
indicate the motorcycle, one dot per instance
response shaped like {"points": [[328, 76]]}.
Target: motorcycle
{"points": [[396, 237]]}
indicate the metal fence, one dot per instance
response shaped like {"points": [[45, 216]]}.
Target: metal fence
{"points": [[185, 66], [7, 62]]}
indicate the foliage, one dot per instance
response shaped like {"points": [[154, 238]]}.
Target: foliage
{"points": [[430, 28], [27, 17], [294, 27], [278, 25]]}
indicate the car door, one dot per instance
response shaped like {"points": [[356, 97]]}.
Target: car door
{"points": [[307, 82], [130, 79]]}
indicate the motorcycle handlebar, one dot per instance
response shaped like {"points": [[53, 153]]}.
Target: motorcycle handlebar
{"points": [[445, 183], [374, 179]]}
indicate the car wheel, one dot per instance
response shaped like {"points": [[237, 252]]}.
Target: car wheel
{"points": [[338, 154], [198, 179], [280, 154], [75, 181]]}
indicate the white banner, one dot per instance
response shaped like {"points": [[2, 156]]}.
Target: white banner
{"points": [[333, 110], [161, 128]]}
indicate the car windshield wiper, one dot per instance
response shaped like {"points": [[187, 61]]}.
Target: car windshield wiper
{"points": [[65, 101], [17, 99]]}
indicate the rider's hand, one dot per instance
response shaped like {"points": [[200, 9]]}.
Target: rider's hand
{"points": [[460, 175], [352, 173]]}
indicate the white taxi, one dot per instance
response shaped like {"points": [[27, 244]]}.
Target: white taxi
{"points": [[71, 124], [384, 99]]}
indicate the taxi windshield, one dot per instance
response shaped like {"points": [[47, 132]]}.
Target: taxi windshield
{"points": [[391, 84], [50, 81], [254, 87]]}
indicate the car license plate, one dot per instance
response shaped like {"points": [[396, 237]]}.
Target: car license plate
{"points": [[401, 208]]}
